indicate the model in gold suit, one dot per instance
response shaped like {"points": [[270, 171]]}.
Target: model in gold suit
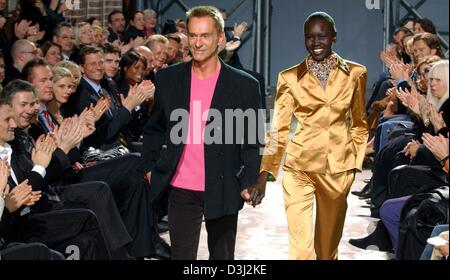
{"points": [[325, 93]]}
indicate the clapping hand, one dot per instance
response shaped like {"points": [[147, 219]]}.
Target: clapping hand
{"points": [[21, 195], [103, 105], [87, 122], [4, 174], [438, 145], [42, 153]]}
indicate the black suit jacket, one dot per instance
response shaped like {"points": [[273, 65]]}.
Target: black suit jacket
{"points": [[106, 135], [229, 168]]}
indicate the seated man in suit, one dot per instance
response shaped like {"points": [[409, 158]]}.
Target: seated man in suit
{"points": [[121, 181], [22, 194], [56, 228], [90, 90]]}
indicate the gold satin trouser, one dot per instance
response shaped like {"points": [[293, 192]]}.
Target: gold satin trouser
{"points": [[330, 192]]}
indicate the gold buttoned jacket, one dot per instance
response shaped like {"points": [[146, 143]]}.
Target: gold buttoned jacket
{"points": [[331, 122]]}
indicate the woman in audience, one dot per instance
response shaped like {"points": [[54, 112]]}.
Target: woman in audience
{"points": [[84, 35], [423, 68], [151, 22], [51, 52], [74, 70], [132, 72], [100, 35], [132, 69], [136, 27]]}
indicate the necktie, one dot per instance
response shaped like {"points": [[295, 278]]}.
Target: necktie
{"points": [[102, 94], [49, 120], [27, 141]]}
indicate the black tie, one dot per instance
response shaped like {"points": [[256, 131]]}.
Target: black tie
{"points": [[27, 141]]}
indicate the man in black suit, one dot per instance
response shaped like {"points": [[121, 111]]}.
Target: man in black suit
{"points": [[210, 179], [23, 222], [122, 179], [90, 91]]}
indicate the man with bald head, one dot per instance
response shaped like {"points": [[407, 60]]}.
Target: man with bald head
{"points": [[148, 55], [22, 51]]}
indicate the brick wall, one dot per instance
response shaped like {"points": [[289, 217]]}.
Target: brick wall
{"points": [[95, 8], [88, 8]]}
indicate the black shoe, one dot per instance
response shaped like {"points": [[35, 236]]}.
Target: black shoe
{"points": [[365, 195], [162, 226], [162, 251], [365, 191], [378, 240]]}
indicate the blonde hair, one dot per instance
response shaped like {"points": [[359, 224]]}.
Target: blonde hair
{"points": [[207, 11], [157, 38], [60, 73], [77, 31], [429, 59], [439, 70], [70, 65]]}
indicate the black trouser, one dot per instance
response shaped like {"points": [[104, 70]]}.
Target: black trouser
{"points": [[131, 193], [60, 229], [97, 197], [410, 179], [30, 251], [185, 220]]}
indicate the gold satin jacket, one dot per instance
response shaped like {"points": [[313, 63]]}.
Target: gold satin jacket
{"points": [[332, 128]]}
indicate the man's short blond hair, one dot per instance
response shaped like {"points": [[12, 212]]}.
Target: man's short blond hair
{"points": [[207, 11]]}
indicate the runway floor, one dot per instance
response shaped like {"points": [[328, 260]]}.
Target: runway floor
{"points": [[262, 231]]}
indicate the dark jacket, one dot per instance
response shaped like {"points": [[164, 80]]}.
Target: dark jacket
{"points": [[229, 168], [106, 135]]}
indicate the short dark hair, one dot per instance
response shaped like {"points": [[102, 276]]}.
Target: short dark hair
{"points": [[110, 48], [206, 11], [404, 30], [426, 24], [406, 20], [15, 86], [130, 58], [59, 26], [47, 45], [133, 14], [88, 50], [432, 41], [91, 20], [28, 68], [173, 36], [113, 13], [323, 16]]}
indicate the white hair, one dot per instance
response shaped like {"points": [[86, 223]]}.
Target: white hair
{"points": [[439, 70]]}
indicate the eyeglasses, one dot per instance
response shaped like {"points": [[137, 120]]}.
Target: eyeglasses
{"points": [[35, 52]]}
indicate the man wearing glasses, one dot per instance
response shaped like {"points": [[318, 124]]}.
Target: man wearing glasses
{"points": [[22, 51]]}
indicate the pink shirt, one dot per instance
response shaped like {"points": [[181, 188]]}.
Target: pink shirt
{"points": [[190, 172]]}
